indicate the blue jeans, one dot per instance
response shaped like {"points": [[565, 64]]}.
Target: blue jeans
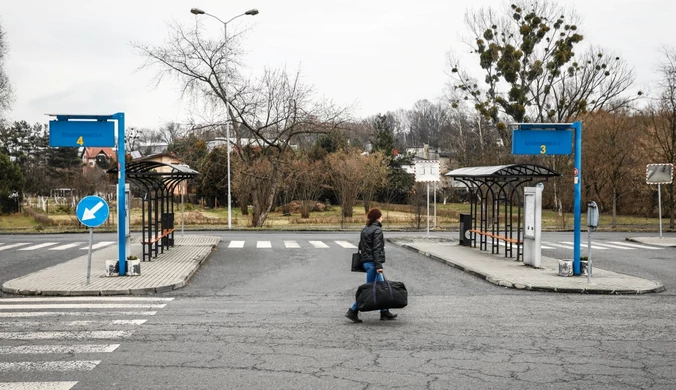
{"points": [[371, 275]]}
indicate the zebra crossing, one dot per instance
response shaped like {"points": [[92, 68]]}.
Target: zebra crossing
{"points": [[595, 245], [53, 246], [289, 244], [43, 341]]}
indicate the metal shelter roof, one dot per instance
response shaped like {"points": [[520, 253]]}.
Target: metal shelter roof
{"points": [[497, 172], [145, 172]]}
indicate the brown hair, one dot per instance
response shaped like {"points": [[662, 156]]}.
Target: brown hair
{"points": [[373, 215]]}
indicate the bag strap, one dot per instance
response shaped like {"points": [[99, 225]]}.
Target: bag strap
{"points": [[375, 283]]}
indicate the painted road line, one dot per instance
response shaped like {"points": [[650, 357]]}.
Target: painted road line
{"points": [[558, 245], [29, 324], [318, 244], [64, 247], [593, 246], [29, 314], [86, 299], [10, 246], [48, 349], [83, 335], [291, 244], [345, 244], [75, 365], [263, 244], [514, 245], [38, 306], [99, 245], [584, 245], [38, 246], [636, 245], [236, 244], [37, 385]]}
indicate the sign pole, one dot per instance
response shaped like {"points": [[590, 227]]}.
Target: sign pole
{"points": [[578, 197], [428, 209], [89, 259], [659, 201], [121, 196]]}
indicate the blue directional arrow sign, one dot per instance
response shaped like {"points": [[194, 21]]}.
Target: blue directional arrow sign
{"points": [[92, 211]]}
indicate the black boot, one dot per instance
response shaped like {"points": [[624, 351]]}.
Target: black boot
{"points": [[386, 315], [353, 315]]}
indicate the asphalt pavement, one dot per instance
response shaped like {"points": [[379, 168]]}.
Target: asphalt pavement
{"points": [[174, 268]]}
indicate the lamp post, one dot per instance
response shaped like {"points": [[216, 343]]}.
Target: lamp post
{"points": [[251, 12]]}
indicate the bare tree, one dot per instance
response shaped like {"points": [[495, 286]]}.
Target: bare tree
{"points": [[267, 112], [6, 93]]}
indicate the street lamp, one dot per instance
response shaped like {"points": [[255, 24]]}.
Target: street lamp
{"points": [[251, 12]]}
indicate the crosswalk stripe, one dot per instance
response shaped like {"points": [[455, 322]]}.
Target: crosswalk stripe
{"points": [[32, 314], [236, 244], [10, 246], [604, 245], [98, 245], [29, 324], [318, 244], [83, 306], [291, 244], [49, 349], [74, 365], [263, 244], [37, 385], [86, 299], [635, 245], [83, 335], [345, 244], [593, 246], [559, 245], [66, 246], [38, 246]]}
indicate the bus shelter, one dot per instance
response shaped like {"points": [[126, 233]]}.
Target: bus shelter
{"points": [[159, 181], [496, 203]]}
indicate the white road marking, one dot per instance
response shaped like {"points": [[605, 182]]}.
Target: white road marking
{"points": [[27, 314], [38, 246], [75, 365], [86, 299], [37, 385], [29, 324], [559, 245], [635, 245], [263, 244], [318, 244], [345, 244], [593, 246], [83, 306], [604, 245], [236, 244], [49, 349], [66, 246], [10, 246], [84, 335], [99, 245], [291, 244]]}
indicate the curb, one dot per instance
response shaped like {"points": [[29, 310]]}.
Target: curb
{"points": [[519, 286]]}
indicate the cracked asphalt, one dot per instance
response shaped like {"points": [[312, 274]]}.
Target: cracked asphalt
{"points": [[273, 319]]}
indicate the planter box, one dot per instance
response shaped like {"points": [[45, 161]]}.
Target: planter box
{"points": [[112, 268], [133, 267], [565, 267]]}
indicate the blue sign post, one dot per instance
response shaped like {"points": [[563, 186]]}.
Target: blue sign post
{"points": [[94, 130], [554, 138], [91, 211]]}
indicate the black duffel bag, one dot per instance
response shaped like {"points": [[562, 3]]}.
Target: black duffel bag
{"points": [[381, 295]]}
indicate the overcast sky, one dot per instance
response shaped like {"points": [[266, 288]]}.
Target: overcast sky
{"points": [[75, 56]]}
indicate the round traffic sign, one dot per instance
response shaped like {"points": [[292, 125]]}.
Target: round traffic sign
{"points": [[92, 211]]}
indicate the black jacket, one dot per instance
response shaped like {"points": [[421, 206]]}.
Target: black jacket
{"points": [[372, 244]]}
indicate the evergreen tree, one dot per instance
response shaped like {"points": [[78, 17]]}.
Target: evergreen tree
{"points": [[11, 181], [399, 182]]}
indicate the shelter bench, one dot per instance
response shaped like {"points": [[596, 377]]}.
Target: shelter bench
{"points": [[496, 236], [154, 239]]}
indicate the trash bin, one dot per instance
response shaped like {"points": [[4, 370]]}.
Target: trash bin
{"points": [[465, 226]]}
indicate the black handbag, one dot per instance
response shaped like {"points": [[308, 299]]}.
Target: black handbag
{"points": [[381, 295], [357, 266]]}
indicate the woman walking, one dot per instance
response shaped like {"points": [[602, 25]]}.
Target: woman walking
{"points": [[372, 247]]}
